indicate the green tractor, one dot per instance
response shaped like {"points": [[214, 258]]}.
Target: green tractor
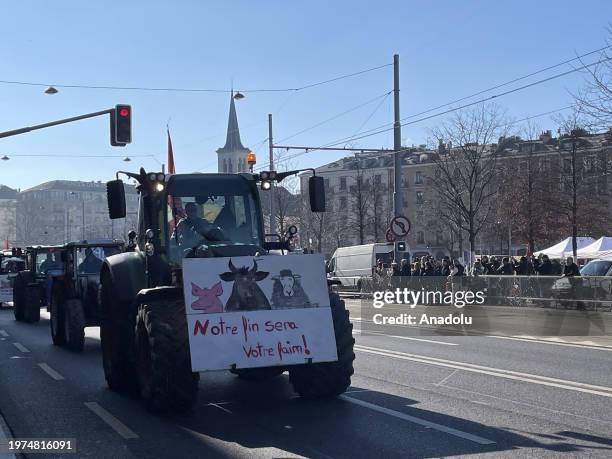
{"points": [[75, 295], [144, 331], [32, 286]]}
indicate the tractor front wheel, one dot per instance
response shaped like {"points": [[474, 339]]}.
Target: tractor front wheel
{"points": [[19, 298], [163, 360], [31, 310], [117, 339], [74, 325], [57, 317], [329, 379]]}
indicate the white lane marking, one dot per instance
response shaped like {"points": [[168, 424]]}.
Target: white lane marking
{"points": [[21, 347], [3, 333], [530, 405], [50, 371], [112, 421], [216, 405], [508, 374], [5, 436], [419, 421], [361, 331], [554, 341], [446, 378]]}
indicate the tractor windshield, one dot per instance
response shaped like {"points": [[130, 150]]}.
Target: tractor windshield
{"points": [[220, 210]]}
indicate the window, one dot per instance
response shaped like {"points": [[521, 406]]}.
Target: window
{"points": [[343, 203], [342, 183], [420, 237], [419, 197], [567, 165], [377, 179], [418, 179]]}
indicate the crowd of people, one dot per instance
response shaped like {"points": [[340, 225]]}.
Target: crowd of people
{"points": [[498, 266]]}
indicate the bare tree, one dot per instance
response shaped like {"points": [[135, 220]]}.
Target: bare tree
{"points": [[465, 172], [595, 99], [578, 171], [359, 215]]}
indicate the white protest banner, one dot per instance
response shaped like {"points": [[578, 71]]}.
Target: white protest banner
{"points": [[257, 311]]}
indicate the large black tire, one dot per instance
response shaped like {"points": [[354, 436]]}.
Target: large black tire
{"points": [[329, 379], [31, 310], [56, 322], [259, 374], [117, 339], [19, 297], [74, 325], [166, 381]]}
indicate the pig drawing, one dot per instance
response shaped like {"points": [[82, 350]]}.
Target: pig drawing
{"points": [[208, 298]]}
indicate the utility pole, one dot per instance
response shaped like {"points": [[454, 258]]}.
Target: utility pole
{"points": [[397, 146], [272, 190], [83, 223]]}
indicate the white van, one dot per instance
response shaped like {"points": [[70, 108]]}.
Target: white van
{"points": [[350, 264]]}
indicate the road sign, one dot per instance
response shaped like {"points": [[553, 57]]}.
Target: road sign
{"points": [[390, 236], [400, 226]]}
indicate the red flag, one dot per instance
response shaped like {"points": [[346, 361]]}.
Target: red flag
{"points": [[170, 155], [175, 203]]}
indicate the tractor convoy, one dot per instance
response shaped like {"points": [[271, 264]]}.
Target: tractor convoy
{"points": [[197, 287]]}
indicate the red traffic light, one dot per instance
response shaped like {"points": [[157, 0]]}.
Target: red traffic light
{"points": [[124, 112]]}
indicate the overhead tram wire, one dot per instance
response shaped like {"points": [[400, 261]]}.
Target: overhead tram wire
{"points": [[495, 96], [550, 112], [209, 90], [514, 80]]}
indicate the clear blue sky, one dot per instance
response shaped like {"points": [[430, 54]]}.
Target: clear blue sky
{"points": [[448, 49]]}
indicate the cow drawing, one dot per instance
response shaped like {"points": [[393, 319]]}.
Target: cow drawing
{"points": [[208, 298], [246, 294], [287, 291]]}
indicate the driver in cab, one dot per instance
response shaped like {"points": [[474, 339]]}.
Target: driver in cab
{"points": [[191, 229]]}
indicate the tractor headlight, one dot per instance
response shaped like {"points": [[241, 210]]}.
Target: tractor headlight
{"points": [[265, 185], [159, 187], [161, 177], [149, 249], [152, 177]]}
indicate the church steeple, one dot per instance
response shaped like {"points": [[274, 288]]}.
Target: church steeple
{"points": [[232, 141], [232, 156]]}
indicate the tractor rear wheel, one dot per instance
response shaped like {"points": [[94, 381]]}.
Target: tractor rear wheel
{"points": [[163, 360], [258, 374], [329, 379], [117, 339], [31, 310], [57, 317], [74, 325]]}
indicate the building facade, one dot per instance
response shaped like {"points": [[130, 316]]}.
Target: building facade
{"points": [[8, 208], [360, 196], [60, 211]]}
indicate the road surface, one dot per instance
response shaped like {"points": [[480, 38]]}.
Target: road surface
{"points": [[410, 397]]}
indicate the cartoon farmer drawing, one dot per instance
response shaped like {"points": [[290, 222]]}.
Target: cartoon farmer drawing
{"points": [[287, 291]]}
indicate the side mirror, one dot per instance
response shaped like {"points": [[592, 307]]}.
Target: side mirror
{"points": [[316, 191], [115, 195]]}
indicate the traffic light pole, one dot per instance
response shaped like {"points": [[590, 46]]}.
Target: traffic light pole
{"points": [[55, 123]]}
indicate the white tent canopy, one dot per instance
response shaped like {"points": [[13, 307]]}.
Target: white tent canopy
{"points": [[607, 255], [594, 250], [559, 250]]}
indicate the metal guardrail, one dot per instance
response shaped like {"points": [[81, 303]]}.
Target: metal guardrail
{"points": [[581, 292]]}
